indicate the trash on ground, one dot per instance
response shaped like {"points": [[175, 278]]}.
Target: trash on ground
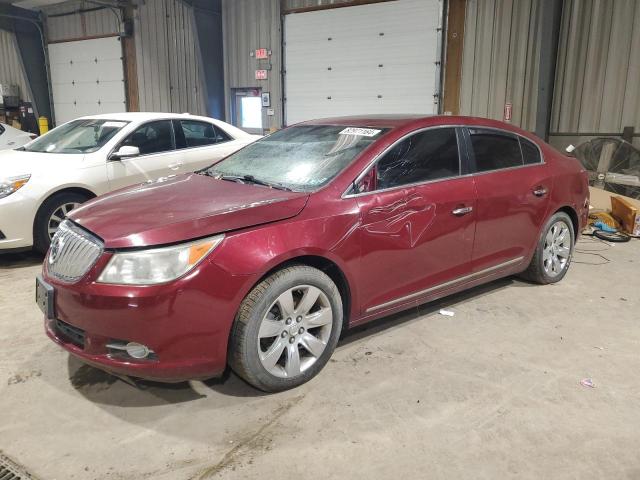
{"points": [[447, 313], [587, 382]]}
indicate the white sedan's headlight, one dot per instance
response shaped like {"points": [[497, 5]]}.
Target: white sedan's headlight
{"points": [[158, 265], [12, 184]]}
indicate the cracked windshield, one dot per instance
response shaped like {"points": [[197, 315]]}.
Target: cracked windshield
{"points": [[302, 158]]}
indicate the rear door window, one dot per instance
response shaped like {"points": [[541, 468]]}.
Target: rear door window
{"points": [[494, 150], [200, 134], [428, 155]]}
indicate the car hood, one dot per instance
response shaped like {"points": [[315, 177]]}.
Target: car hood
{"points": [[19, 162], [181, 208]]}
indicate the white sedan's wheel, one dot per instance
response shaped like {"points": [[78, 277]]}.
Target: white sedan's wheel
{"points": [[51, 213], [58, 216]]}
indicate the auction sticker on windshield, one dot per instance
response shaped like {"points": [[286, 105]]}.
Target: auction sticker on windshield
{"points": [[362, 132]]}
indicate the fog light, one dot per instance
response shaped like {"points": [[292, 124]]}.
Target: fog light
{"points": [[137, 350]]}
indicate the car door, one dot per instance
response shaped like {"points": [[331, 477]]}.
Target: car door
{"points": [[158, 156], [202, 143], [417, 220], [513, 196]]}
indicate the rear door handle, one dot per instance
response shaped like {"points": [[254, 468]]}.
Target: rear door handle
{"points": [[540, 191], [460, 211]]}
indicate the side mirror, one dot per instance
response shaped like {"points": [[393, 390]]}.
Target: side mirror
{"points": [[125, 152]]}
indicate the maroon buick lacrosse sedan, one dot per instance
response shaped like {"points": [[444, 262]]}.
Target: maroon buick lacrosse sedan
{"points": [[260, 261]]}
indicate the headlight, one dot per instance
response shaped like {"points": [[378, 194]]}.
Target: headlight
{"points": [[12, 184], [158, 265]]}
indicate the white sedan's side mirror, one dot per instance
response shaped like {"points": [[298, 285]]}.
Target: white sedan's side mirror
{"points": [[125, 152]]}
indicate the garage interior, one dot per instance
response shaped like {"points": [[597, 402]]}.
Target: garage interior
{"points": [[522, 381]]}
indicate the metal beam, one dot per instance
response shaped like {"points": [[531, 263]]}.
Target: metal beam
{"points": [[30, 38], [550, 36]]}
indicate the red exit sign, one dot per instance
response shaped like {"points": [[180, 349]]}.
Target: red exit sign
{"points": [[262, 53], [261, 74]]}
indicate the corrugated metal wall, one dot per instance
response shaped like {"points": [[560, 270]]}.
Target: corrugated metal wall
{"points": [[167, 55], [294, 4], [247, 26], [598, 73], [62, 24], [167, 52], [500, 60], [11, 71]]}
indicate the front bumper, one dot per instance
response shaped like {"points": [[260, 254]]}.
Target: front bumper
{"points": [[186, 322], [17, 213]]}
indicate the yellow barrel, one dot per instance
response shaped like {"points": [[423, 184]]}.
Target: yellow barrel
{"points": [[43, 125]]}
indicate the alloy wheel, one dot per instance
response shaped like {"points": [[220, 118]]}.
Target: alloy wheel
{"points": [[557, 249], [294, 333], [58, 215]]}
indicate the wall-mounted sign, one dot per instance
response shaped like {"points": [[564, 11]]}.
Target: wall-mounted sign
{"points": [[270, 112], [266, 99], [262, 53], [508, 111], [261, 74]]}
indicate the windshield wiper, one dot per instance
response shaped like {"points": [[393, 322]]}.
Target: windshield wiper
{"points": [[254, 180]]}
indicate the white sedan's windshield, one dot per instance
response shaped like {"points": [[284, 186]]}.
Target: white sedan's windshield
{"points": [[303, 157], [78, 136]]}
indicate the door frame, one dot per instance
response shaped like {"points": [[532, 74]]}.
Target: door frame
{"points": [[236, 95]]}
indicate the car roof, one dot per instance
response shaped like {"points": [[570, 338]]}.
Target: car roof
{"points": [[409, 121], [381, 121], [142, 116]]}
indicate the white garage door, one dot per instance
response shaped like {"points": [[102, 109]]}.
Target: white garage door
{"points": [[367, 59], [87, 78]]}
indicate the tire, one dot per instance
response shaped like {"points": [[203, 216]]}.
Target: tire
{"points": [[274, 326], [543, 269], [51, 206], [617, 237]]}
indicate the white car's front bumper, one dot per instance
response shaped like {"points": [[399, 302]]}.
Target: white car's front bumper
{"points": [[16, 222]]}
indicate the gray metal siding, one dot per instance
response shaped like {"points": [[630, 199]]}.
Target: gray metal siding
{"points": [[79, 25], [598, 78], [11, 70], [500, 60], [247, 26], [169, 76], [294, 4]]}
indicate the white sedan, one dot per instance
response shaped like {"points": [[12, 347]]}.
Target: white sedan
{"points": [[12, 137], [45, 179]]}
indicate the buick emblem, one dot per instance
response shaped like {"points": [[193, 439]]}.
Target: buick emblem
{"points": [[54, 250]]}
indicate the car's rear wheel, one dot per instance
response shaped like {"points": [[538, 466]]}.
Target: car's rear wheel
{"points": [[51, 214], [286, 329], [554, 251]]}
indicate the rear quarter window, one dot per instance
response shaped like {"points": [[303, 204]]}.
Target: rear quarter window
{"points": [[530, 152]]}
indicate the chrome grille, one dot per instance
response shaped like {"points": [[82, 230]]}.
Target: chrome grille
{"points": [[72, 253]]}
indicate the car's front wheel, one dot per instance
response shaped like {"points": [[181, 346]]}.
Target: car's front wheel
{"points": [[554, 251], [52, 212], [286, 329]]}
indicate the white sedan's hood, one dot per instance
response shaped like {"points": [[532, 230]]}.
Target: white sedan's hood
{"points": [[17, 162]]}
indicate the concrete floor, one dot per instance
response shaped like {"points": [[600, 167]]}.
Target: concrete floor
{"points": [[492, 392]]}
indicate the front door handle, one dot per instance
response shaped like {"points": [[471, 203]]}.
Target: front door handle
{"points": [[540, 191], [460, 211], [175, 166]]}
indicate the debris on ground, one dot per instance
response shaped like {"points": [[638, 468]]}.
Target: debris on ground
{"points": [[446, 313], [587, 382]]}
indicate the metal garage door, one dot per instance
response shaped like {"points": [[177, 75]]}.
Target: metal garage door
{"points": [[87, 78], [366, 59]]}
